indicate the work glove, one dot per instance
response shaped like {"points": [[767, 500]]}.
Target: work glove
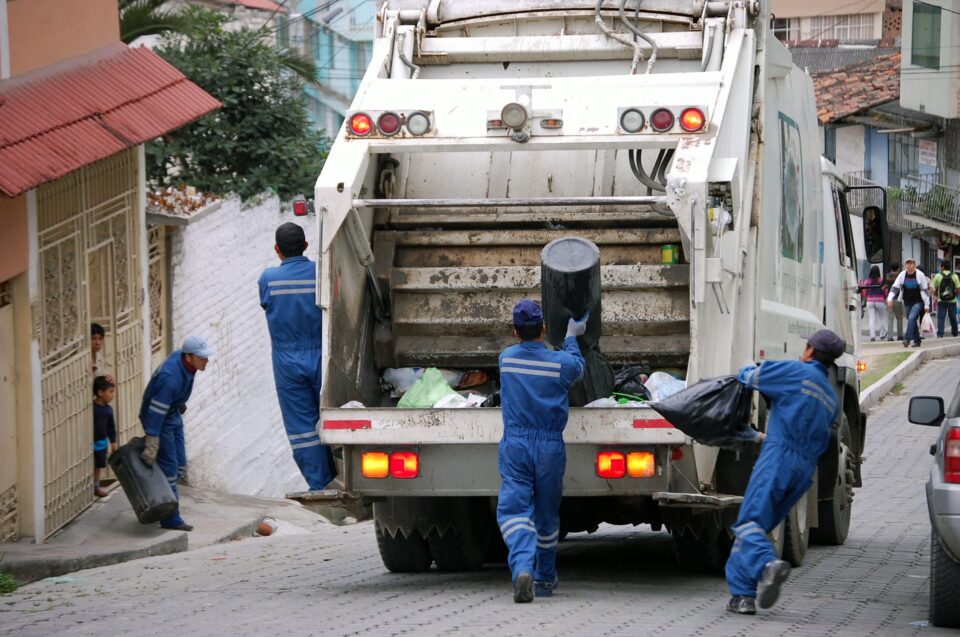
{"points": [[150, 448], [577, 327]]}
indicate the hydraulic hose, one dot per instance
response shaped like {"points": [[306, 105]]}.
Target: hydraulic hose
{"points": [[643, 36], [622, 39]]}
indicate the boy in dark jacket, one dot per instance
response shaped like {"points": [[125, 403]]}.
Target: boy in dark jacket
{"points": [[104, 428]]}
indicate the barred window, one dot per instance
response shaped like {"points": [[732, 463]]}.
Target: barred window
{"points": [[785, 29], [857, 26]]}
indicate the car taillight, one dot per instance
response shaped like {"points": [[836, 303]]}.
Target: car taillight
{"points": [[951, 456], [360, 124], [661, 120], [404, 464], [389, 124], [374, 464], [641, 464], [611, 464], [692, 120]]}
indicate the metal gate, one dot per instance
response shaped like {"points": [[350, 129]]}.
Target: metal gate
{"points": [[88, 228], [159, 292]]}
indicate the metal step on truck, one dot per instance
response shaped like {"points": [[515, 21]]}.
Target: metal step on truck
{"points": [[484, 129]]}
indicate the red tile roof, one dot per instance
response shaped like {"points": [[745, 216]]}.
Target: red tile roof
{"points": [[57, 119], [858, 87], [264, 5]]}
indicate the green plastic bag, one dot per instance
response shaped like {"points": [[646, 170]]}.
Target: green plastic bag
{"points": [[426, 391]]}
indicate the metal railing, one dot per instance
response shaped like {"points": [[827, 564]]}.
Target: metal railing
{"points": [[927, 196]]}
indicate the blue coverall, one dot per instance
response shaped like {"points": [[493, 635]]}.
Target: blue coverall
{"points": [[804, 407], [168, 390], [288, 295], [534, 383]]}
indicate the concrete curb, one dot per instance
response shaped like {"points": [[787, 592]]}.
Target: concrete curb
{"points": [[56, 562], [877, 391]]}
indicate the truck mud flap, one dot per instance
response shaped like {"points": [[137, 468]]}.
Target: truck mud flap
{"points": [[696, 500]]}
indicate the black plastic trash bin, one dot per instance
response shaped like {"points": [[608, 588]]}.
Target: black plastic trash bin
{"points": [[570, 286], [146, 487]]}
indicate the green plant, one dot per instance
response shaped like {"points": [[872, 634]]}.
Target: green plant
{"points": [[7, 584], [261, 139], [894, 194], [939, 202]]}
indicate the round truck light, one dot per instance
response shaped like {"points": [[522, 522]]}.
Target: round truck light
{"points": [[661, 120], [418, 123], [514, 115], [692, 120], [360, 124], [389, 124], [632, 120]]}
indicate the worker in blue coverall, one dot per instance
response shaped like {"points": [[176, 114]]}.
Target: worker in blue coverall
{"points": [[288, 295], [164, 400], [804, 408], [534, 384]]}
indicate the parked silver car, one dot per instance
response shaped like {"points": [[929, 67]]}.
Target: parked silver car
{"points": [[943, 501]]}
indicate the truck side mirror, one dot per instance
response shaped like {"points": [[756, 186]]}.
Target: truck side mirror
{"points": [[926, 410], [876, 235]]}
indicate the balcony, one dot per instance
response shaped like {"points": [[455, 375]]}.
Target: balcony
{"points": [[931, 203]]}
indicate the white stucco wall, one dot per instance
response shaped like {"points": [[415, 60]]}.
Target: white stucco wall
{"points": [[851, 149], [234, 433]]}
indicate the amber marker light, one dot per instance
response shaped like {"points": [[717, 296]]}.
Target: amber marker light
{"points": [[641, 464], [374, 464], [861, 366]]}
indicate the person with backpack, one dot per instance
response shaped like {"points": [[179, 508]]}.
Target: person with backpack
{"points": [[946, 283], [873, 288], [912, 284]]}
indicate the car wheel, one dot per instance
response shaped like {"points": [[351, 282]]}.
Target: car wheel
{"points": [[944, 585]]}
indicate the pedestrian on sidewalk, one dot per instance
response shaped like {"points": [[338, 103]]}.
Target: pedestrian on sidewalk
{"points": [[896, 311], [164, 401], [876, 303], [534, 386], [295, 322], [946, 284], [804, 407], [104, 428], [912, 284]]}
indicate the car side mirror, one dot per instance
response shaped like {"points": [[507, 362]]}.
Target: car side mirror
{"points": [[926, 410]]}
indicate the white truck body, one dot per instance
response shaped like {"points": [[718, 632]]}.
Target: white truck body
{"points": [[446, 228]]}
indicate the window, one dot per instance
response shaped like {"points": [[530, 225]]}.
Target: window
{"points": [[283, 32], [925, 48], [902, 156], [857, 26], [844, 234], [785, 29]]}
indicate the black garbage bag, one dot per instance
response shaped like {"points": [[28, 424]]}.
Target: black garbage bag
{"points": [[714, 412], [628, 381]]}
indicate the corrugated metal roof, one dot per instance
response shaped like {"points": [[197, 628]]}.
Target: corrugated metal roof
{"points": [[55, 120]]}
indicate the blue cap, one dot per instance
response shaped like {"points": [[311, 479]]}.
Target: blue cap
{"points": [[196, 346], [827, 342], [527, 312]]}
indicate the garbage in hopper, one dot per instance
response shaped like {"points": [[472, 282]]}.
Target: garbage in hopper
{"points": [[714, 412]]}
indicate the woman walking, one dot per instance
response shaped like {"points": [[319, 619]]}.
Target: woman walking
{"points": [[876, 303]]}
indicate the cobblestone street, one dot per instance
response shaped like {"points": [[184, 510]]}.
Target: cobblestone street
{"points": [[614, 582]]}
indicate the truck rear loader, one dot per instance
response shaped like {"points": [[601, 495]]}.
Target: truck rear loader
{"points": [[482, 131]]}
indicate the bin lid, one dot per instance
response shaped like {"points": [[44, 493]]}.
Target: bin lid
{"points": [[570, 254]]}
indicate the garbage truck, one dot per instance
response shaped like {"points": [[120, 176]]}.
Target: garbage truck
{"points": [[675, 135]]}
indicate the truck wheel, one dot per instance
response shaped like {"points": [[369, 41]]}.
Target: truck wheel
{"points": [[460, 548], [403, 554], [944, 586], [706, 553], [834, 510], [796, 535], [778, 537]]}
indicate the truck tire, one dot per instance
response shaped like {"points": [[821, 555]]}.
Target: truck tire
{"points": [[403, 554], [778, 538], [796, 535], [459, 548], [703, 553], [944, 586], [835, 506]]}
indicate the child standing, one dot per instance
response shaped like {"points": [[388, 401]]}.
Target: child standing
{"points": [[104, 428]]}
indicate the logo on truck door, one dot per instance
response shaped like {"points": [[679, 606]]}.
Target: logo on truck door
{"points": [[791, 194]]}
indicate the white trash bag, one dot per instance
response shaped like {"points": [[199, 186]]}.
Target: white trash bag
{"points": [[662, 385], [926, 325]]}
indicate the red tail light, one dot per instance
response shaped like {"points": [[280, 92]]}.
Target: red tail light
{"points": [[951, 456], [360, 124], [692, 120], [661, 120], [300, 207], [611, 464], [404, 464], [389, 123]]}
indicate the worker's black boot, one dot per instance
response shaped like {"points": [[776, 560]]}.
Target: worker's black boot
{"points": [[523, 588], [742, 605], [768, 588]]}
